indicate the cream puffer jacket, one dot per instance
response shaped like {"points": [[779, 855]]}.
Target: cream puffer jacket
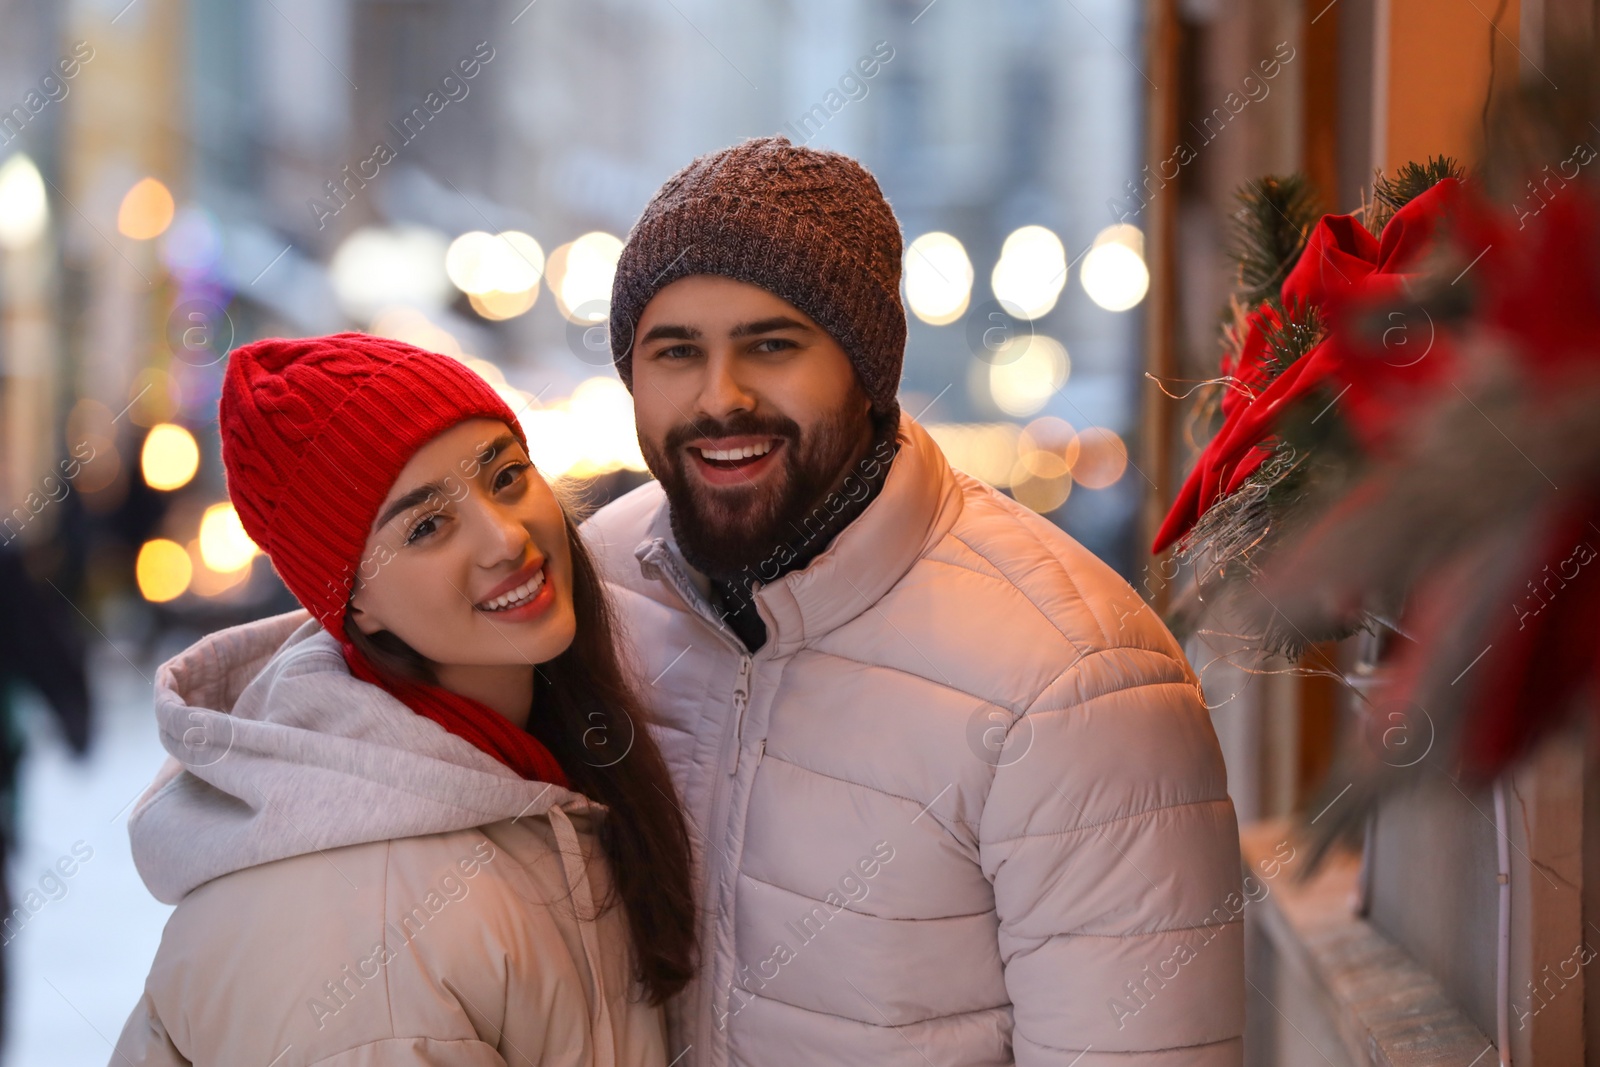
{"points": [[964, 807], [356, 887]]}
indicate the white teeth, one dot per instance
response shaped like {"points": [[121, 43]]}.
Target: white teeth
{"points": [[727, 454], [518, 596]]}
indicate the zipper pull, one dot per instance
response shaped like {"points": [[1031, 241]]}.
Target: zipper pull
{"points": [[741, 700]]}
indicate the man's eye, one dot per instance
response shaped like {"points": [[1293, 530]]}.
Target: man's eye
{"points": [[675, 352], [774, 344]]}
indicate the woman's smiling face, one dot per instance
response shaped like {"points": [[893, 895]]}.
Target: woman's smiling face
{"points": [[468, 560]]}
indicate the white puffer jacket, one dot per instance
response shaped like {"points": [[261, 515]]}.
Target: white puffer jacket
{"points": [[964, 807], [356, 887]]}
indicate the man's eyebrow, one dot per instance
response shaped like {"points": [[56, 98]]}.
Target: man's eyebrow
{"points": [[422, 493], [768, 325], [671, 333]]}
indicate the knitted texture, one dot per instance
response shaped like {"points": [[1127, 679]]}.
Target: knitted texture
{"points": [[807, 225], [315, 431]]}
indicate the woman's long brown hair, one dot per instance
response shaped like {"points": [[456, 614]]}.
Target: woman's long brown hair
{"points": [[588, 714]]}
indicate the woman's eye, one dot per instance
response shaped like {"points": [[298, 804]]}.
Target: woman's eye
{"points": [[509, 475], [422, 529]]}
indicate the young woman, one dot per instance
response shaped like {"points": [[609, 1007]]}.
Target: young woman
{"points": [[427, 824]]}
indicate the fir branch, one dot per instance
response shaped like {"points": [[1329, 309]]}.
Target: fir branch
{"points": [[1299, 330], [1231, 542], [1409, 182], [1270, 230]]}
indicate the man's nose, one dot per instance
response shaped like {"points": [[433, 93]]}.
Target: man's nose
{"points": [[721, 390]]}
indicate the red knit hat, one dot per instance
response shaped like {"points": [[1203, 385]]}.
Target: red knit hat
{"points": [[315, 430]]}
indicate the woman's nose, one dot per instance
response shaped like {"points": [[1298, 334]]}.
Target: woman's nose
{"points": [[501, 536]]}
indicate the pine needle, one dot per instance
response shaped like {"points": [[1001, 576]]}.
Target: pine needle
{"points": [[1409, 182], [1275, 217], [1300, 329]]}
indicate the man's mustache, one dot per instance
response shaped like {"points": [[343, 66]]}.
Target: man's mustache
{"points": [[739, 425]]}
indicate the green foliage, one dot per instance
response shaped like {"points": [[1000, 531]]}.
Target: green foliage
{"points": [[1270, 228], [1300, 329], [1409, 182]]}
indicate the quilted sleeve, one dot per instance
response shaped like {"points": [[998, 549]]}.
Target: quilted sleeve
{"points": [[144, 1041], [417, 1052], [1114, 853]]}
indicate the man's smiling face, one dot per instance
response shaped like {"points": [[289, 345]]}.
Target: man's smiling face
{"points": [[748, 412]]}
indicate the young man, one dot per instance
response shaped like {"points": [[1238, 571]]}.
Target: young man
{"points": [[955, 796]]}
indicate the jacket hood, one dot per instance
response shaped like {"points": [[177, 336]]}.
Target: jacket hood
{"points": [[276, 751]]}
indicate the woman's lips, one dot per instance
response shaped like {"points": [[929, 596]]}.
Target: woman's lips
{"points": [[526, 603]]}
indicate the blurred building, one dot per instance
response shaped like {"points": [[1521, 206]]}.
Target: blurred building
{"points": [[289, 167], [181, 176], [178, 177]]}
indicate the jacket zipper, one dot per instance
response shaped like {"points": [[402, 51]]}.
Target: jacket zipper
{"points": [[741, 700], [666, 567]]}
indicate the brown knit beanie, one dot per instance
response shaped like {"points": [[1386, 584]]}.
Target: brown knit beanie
{"points": [[807, 225]]}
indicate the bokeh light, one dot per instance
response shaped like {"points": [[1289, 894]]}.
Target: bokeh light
{"points": [[414, 328], [24, 209], [585, 435], [603, 410], [163, 570], [376, 267], [500, 273], [987, 451], [224, 546], [1023, 384], [938, 278], [1031, 272], [497, 306], [1114, 272], [170, 457], [552, 435], [1102, 458], [1047, 447], [579, 275], [147, 210], [1042, 493], [203, 581]]}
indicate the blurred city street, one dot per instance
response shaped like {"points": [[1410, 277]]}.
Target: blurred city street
{"points": [[1155, 266], [77, 966]]}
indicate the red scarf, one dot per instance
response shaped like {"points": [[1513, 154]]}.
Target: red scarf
{"points": [[474, 722]]}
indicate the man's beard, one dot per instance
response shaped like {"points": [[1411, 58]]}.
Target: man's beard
{"points": [[724, 530]]}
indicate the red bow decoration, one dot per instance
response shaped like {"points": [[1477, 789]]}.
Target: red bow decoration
{"points": [[1343, 266]]}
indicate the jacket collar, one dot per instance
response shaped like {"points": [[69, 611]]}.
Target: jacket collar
{"points": [[918, 505]]}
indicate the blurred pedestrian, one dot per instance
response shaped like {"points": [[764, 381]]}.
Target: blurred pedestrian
{"points": [[40, 647]]}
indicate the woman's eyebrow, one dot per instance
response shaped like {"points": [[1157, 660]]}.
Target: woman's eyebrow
{"points": [[485, 455], [488, 452], [421, 494]]}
